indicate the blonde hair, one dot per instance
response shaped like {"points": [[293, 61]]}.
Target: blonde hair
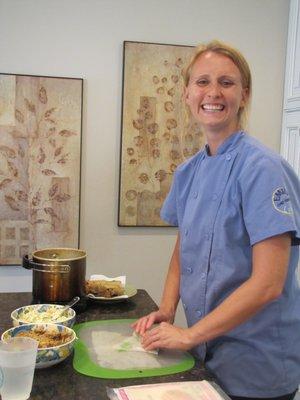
{"points": [[237, 58]]}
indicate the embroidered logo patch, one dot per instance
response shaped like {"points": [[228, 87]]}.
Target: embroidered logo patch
{"points": [[281, 201]]}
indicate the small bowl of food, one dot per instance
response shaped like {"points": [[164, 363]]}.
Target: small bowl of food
{"points": [[56, 342], [43, 313]]}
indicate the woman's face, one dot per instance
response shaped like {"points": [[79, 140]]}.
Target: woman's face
{"points": [[215, 94]]}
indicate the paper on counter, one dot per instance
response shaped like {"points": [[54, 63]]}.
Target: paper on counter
{"points": [[122, 278], [191, 390]]}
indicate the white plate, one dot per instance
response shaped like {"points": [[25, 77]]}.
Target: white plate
{"points": [[129, 290]]}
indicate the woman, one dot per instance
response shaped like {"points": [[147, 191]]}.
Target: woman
{"points": [[236, 204]]}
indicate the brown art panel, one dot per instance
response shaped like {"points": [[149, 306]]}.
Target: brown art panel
{"points": [[40, 153], [156, 133]]}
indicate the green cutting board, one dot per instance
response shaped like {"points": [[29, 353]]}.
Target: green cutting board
{"points": [[83, 362]]}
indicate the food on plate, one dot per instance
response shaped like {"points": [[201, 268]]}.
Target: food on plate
{"points": [[104, 288], [47, 338]]}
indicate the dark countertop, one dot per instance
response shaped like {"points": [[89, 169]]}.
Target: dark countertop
{"points": [[62, 382]]}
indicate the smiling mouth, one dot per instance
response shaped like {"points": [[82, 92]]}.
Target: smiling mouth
{"points": [[212, 107]]}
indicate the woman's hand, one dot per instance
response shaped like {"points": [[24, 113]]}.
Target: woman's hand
{"points": [[167, 336], [144, 323]]}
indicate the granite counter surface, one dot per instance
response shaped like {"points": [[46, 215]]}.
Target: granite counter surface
{"points": [[62, 382]]}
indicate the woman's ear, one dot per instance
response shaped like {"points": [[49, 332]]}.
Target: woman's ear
{"points": [[186, 95], [245, 97]]}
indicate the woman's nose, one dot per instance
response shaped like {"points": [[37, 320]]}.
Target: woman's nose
{"points": [[214, 90]]}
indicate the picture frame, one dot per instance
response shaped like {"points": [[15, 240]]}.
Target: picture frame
{"points": [[40, 163], [156, 135]]}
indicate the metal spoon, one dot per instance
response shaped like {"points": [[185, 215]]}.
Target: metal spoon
{"points": [[66, 307]]}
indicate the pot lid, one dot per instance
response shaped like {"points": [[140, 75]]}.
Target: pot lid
{"points": [[59, 254]]}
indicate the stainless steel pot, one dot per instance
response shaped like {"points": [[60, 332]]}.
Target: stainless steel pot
{"points": [[58, 274]]}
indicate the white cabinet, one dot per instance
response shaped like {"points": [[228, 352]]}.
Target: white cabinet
{"points": [[292, 83], [290, 138]]}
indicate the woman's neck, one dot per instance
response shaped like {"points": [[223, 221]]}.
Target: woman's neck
{"points": [[214, 139], [214, 143]]}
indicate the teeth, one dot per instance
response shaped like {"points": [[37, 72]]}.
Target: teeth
{"points": [[213, 107]]}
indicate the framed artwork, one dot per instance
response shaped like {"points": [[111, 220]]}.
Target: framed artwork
{"points": [[156, 134], [40, 158]]}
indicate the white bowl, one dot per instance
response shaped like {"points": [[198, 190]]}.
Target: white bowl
{"points": [[41, 313], [47, 356]]}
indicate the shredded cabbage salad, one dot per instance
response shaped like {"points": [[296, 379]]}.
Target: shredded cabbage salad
{"points": [[36, 315]]}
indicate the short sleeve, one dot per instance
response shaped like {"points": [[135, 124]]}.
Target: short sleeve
{"points": [[270, 200], [169, 212]]}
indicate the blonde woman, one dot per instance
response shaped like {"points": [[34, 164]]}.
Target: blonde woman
{"points": [[236, 204]]}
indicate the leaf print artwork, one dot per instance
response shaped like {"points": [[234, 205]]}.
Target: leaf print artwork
{"points": [[58, 151], [17, 134], [19, 116], [42, 156], [53, 190], [49, 112], [66, 133], [62, 197], [154, 128], [5, 182], [21, 151], [21, 195], [40, 221], [52, 142], [48, 172], [12, 168], [51, 120], [8, 151], [40, 151], [63, 160], [43, 95], [50, 211], [11, 202], [51, 131], [30, 106], [36, 199]]}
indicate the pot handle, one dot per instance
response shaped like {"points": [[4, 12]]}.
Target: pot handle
{"points": [[30, 264]]}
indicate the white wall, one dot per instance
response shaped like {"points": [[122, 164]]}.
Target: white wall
{"points": [[83, 38]]}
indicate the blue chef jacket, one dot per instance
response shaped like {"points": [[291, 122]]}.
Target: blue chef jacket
{"points": [[224, 204]]}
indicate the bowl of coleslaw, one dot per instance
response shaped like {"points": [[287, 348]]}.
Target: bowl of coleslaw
{"points": [[43, 313]]}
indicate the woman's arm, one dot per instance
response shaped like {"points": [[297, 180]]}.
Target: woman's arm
{"points": [[270, 263], [170, 297]]}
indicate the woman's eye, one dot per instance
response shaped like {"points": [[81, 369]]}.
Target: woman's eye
{"points": [[226, 83], [202, 82]]}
